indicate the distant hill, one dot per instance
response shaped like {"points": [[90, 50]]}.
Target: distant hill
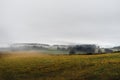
{"points": [[81, 48], [117, 47]]}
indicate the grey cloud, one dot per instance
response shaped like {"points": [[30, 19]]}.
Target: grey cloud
{"points": [[79, 21]]}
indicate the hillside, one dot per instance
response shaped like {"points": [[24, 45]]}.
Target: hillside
{"points": [[36, 66]]}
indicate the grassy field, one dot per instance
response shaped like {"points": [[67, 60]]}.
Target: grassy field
{"points": [[38, 66]]}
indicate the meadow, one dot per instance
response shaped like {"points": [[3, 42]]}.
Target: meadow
{"points": [[38, 66]]}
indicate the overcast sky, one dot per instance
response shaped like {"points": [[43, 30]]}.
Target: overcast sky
{"points": [[60, 21]]}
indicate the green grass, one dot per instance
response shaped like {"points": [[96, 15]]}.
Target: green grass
{"points": [[60, 67]]}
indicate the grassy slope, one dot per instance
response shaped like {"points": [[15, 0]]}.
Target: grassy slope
{"points": [[60, 67]]}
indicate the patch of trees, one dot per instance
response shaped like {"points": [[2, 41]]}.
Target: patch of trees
{"points": [[88, 49]]}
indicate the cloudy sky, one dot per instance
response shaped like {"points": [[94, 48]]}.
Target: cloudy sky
{"points": [[60, 21]]}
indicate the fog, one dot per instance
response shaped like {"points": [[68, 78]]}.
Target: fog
{"points": [[60, 22]]}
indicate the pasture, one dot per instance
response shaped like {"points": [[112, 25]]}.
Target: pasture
{"points": [[38, 66]]}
